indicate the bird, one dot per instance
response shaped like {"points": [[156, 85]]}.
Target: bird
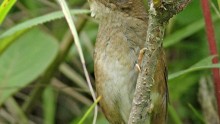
{"points": [[121, 35]]}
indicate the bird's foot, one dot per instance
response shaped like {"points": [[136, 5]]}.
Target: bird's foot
{"points": [[140, 58]]}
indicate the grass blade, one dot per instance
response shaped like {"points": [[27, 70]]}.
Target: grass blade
{"points": [[203, 64], [40, 20], [185, 32], [49, 105], [5, 8], [73, 30], [89, 110]]}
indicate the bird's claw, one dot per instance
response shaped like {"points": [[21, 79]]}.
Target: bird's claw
{"points": [[138, 67], [140, 58]]}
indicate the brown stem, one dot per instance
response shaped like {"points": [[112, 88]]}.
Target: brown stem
{"points": [[159, 14]]}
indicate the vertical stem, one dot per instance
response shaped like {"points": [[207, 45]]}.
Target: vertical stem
{"points": [[142, 105], [212, 48]]}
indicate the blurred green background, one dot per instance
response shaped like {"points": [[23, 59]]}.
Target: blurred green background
{"points": [[42, 79]]}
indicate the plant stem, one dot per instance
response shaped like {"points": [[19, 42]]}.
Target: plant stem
{"points": [[159, 14], [213, 49]]}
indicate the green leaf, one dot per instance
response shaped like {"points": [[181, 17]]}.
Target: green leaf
{"points": [[40, 20], [185, 32], [24, 61], [5, 8], [7, 41], [203, 64]]}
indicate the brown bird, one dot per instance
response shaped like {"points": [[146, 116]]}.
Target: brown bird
{"points": [[122, 33]]}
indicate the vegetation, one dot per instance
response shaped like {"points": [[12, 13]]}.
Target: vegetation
{"points": [[42, 79]]}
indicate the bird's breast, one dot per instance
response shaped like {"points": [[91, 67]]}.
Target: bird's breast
{"points": [[116, 54]]}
